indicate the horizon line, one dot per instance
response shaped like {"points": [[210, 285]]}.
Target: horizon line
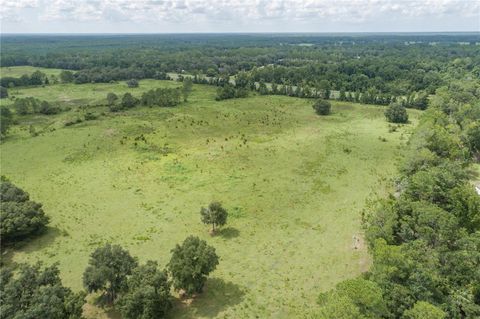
{"points": [[239, 32]]}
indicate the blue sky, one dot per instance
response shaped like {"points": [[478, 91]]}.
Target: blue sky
{"points": [[171, 16]]}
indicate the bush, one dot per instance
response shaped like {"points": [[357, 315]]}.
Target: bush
{"points": [[48, 109], [3, 92], [322, 107], [396, 113], [128, 101], [133, 83]]}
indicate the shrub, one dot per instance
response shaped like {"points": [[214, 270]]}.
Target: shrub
{"points": [[396, 113], [322, 107], [133, 83]]}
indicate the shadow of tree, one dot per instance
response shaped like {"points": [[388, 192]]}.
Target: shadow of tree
{"points": [[30, 244], [217, 296], [228, 232]]}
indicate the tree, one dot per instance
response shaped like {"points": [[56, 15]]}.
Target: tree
{"points": [[132, 83], [66, 76], [225, 92], [111, 99], [108, 269], [3, 92], [214, 214], [191, 263], [128, 100], [322, 107], [6, 119], [148, 293], [37, 78], [48, 109], [262, 88], [19, 217], [323, 89], [424, 310], [187, 88], [38, 293], [396, 113]]}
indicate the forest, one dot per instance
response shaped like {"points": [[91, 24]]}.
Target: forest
{"points": [[226, 176]]}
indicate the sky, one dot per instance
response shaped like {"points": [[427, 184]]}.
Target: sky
{"points": [[191, 16]]}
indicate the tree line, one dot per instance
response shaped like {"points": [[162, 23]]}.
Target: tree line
{"points": [[425, 238]]}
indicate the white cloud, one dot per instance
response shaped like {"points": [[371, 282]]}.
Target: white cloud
{"points": [[238, 12], [10, 9]]}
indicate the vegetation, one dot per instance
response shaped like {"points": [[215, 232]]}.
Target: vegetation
{"points": [[177, 165], [6, 119], [19, 216], [322, 107], [32, 292], [190, 265], [417, 238], [107, 272], [214, 214], [132, 83], [296, 186], [396, 113], [147, 294]]}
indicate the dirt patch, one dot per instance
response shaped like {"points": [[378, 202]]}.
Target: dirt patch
{"points": [[110, 132], [358, 242]]}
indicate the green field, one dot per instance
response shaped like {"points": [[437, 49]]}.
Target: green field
{"points": [[294, 184], [18, 71]]}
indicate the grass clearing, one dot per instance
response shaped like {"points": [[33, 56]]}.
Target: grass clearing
{"points": [[18, 71], [294, 184]]}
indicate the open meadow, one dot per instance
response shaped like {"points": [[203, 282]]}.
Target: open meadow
{"points": [[294, 184]]}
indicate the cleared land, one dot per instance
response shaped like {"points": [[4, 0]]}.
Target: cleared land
{"points": [[18, 71], [294, 184]]}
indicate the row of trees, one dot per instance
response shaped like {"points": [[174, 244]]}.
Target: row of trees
{"points": [[36, 78], [163, 97], [144, 291], [31, 105], [425, 239]]}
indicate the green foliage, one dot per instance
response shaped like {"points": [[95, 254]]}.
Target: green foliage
{"points": [[128, 101], [360, 298], [6, 119], [424, 310], [19, 217], [66, 76], [164, 97], [111, 99], [225, 92], [147, 295], [187, 87], [3, 92], [132, 83], [322, 107], [108, 269], [214, 214], [396, 113], [338, 306], [190, 265], [37, 293]]}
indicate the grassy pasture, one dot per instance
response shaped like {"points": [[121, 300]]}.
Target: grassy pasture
{"points": [[18, 71], [294, 184]]}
